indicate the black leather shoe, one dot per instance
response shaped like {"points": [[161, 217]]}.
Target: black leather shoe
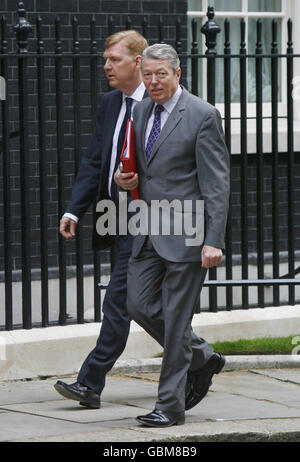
{"points": [[199, 381], [159, 418], [85, 395]]}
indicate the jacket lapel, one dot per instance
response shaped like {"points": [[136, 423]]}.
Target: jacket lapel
{"points": [[171, 123], [146, 117], [110, 124]]}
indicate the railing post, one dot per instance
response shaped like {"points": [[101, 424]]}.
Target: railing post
{"points": [[145, 27], [275, 162], [178, 36], [210, 29], [128, 24], [6, 184], [77, 150], [244, 164], [93, 83], [22, 30], [260, 161], [227, 123], [60, 171], [161, 30], [291, 166], [111, 25], [194, 51], [43, 175]]}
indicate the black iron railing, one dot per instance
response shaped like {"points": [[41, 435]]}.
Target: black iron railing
{"points": [[92, 59], [211, 29]]}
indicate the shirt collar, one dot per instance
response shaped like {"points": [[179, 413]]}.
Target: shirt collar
{"points": [[171, 103], [138, 94]]}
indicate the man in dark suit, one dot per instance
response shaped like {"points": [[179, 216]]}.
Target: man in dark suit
{"points": [[182, 158], [95, 181]]}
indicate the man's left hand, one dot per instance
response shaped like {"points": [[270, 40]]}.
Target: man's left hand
{"points": [[211, 256], [127, 181]]}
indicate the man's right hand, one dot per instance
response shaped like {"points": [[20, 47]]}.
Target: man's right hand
{"points": [[67, 227]]}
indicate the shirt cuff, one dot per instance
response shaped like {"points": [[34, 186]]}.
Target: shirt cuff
{"points": [[72, 217]]}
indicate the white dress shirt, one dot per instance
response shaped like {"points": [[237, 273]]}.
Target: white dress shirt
{"points": [[168, 106], [137, 96]]}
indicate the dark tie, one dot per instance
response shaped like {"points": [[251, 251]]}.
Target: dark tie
{"points": [[120, 144], [155, 130], [123, 130]]}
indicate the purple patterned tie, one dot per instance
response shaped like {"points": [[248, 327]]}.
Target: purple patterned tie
{"points": [[155, 130]]}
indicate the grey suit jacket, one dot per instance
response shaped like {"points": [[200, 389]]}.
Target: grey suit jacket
{"points": [[189, 161]]}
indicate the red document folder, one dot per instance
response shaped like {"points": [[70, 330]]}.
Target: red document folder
{"points": [[128, 157]]}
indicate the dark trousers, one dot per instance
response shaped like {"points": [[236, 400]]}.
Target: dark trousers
{"points": [[162, 297], [115, 324]]}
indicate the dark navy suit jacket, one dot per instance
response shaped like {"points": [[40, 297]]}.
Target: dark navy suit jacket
{"points": [[92, 178]]}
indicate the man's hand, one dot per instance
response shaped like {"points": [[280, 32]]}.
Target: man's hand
{"points": [[126, 181], [67, 227], [211, 256]]}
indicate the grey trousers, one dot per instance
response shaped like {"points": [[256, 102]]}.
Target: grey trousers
{"points": [[162, 297]]}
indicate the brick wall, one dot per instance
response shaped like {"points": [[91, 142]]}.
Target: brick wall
{"points": [[267, 204]]}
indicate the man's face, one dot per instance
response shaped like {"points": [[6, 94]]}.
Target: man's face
{"points": [[160, 79], [120, 66]]}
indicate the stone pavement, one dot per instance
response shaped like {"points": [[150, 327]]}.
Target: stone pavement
{"points": [[242, 405]]}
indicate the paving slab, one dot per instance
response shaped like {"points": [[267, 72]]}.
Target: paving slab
{"points": [[73, 412], [16, 425], [240, 406], [28, 391], [258, 386], [291, 375], [126, 388], [225, 406], [234, 403], [40, 390]]}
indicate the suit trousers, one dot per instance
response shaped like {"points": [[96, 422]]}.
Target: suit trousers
{"points": [[115, 324], [162, 298]]}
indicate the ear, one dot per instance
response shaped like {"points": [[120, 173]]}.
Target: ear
{"points": [[178, 73], [138, 59]]}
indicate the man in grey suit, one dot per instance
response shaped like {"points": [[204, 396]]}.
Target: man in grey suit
{"points": [[181, 156]]}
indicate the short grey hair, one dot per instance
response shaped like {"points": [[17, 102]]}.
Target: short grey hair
{"points": [[162, 51]]}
